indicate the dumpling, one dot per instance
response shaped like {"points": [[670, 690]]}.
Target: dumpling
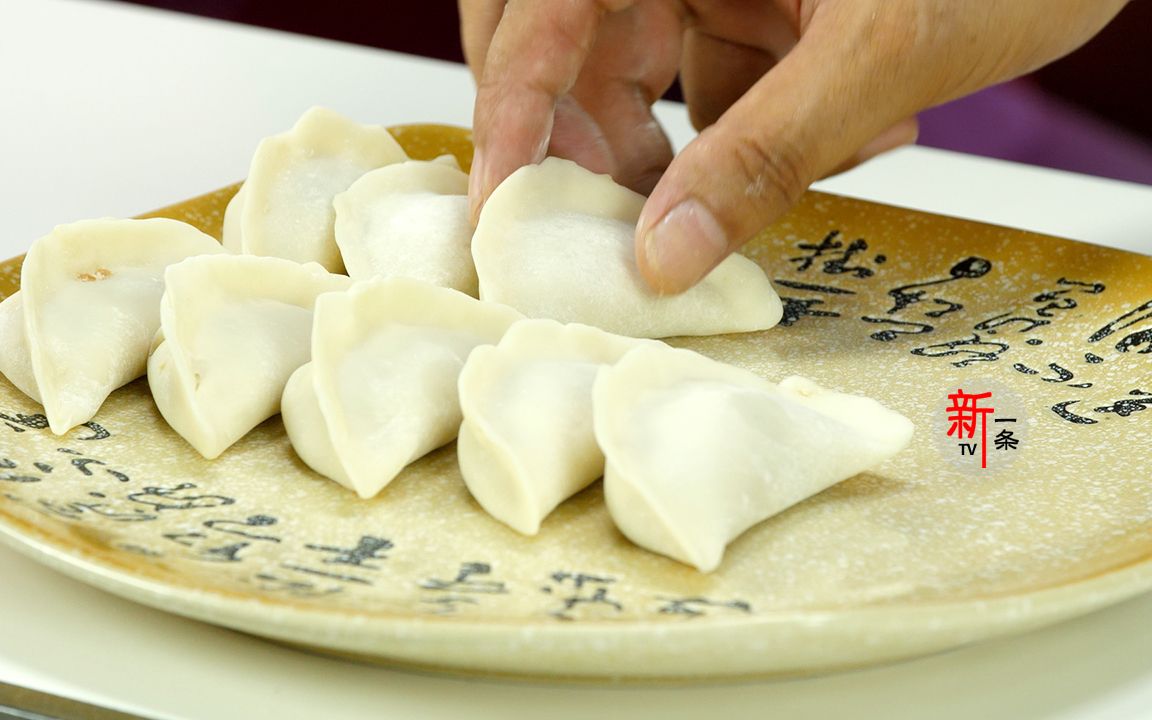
{"points": [[233, 328], [699, 451], [284, 208], [526, 443], [15, 355], [380, 391], [556, 241], [88, 306], [231, 227], [409, 220]]}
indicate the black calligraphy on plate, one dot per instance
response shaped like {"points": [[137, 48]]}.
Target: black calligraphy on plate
{"points": [[915, 304], [832, 256], [989, 338], [20, 422], [581, 595], [699, 606], [472, 582], [1129, 332]]}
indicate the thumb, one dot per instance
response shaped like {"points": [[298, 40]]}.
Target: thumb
{"points": [[813, 112]]}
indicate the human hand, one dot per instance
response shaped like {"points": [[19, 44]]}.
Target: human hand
{"points": [[785, 92]]}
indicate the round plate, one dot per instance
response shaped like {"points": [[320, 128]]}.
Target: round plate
{"points": [[1043, 514]]}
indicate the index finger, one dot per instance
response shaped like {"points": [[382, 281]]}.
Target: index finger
{"points": [[536, 56], [478, 22]]}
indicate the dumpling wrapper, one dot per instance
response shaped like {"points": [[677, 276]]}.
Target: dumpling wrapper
{"points": [[15, 355], [408, 219], [230, 230], [233, 329], [380, 391], [284, 208], [88, 306], [557, 241], [526, 443], [699, 451]]}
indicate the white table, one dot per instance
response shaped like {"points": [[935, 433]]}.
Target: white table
{"points": [[112, 110]]}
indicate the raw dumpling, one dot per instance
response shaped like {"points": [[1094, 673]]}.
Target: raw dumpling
{"points": [[526, 443], [233, 328], [698, 451], [556, 241], [409, 220], [380, 391], [88, 306], [285, 206], [231, 226], [15, 355]]}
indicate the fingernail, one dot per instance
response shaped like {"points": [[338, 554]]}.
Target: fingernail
{"points": [[476, 187], [683, 247]]}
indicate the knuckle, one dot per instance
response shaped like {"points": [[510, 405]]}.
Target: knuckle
{"points": [[560, 30], [774, 170], [488, 88]]}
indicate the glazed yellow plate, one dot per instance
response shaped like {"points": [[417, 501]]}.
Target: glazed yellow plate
{"points": [[1008, 512]]}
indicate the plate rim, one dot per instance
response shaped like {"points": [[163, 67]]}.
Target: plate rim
{"points": [[417, 641]]}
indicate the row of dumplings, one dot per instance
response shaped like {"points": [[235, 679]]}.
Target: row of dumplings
{"points": [[372, 375], [553, 241], [693, 452]]}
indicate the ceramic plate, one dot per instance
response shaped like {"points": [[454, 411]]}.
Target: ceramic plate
{"points": [[1044, 513]]}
